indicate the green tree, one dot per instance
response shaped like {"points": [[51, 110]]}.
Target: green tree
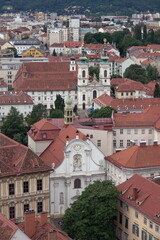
{"points": [[38, 112], [137, 32], [152, 73], [14, 127], [56, 113], [59, 103], [54, 53], [104, 112], [94, 70], [157, 91], [145, 33], [137, 73], [92, 215]]}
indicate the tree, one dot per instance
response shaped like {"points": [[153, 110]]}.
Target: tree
{"points": [[104, 112], [14, 127], [56, 113], [59, 103], [137, 32], [152, 73], [137, 73], [94, 71], [54, 53], [38, 112], [157, 91], [91, 216]]}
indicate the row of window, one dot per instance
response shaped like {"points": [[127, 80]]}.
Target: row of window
{"points": [[46, 98], [121, 142], [11, 187], [25, 208], [136, 131]]}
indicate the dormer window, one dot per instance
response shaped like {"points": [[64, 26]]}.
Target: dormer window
{"points": [[44, 135]]}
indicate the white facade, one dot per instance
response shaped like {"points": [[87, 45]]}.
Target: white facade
{"points": [[83, 164], [23, 109]]}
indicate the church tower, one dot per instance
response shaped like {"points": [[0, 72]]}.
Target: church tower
{"points": [[83, 80], [68, 111], [104, 73], [72, 64]]}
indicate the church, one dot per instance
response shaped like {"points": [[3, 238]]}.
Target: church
{"points": [[43, 81]]}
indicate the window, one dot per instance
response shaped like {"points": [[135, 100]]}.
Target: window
{"points": [[126, 93], [143, 131], [77, 183], [151, 224], [11, 189], [156, 228], [105, 73], [126, 222], [150, 131], [128, 143], [121, 131], [122, 94], [150, 237], [98, 143], [128, 131], [94, 94], [149, 141], [12, 212], [126, 236], [39, 184], [144, 235], [25, 187], [61, 198], [121, 203], [121, 143], [83, 73], [39, 207], [83, 106], [120, 217], [26, 207], [114, 143], [91, 136], [145, 221], [136, 214], [114, 133], [135, 229], [135, 131]]}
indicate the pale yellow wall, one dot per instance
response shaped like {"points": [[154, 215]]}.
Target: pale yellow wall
{"points": [[32, 52], [19, 198], [130, 213]]}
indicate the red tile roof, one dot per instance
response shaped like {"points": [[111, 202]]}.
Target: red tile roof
{"points": [[7, 228], [148, 196], [130, 86], [16, 158], [15, 98], [74, 44], [136, 157], [54, 153], [45, 76]]}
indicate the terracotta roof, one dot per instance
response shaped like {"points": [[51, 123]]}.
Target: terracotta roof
{"points": [[136, 157], [137, 104], [45, 76], [16, 158], [148, 196], [54, 153], [74, 44], [61, 45], [7, 228], [130, 86], [3, 84], [15, 98], [119, 81]]}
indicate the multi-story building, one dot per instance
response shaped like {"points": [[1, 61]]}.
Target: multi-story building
{"points": [[138, 210], [23, 45], [24, 180]]}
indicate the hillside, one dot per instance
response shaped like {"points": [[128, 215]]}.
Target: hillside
{"points": [[84, 6]]}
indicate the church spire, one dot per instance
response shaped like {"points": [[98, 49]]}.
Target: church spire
{"points": [[68, 111]]}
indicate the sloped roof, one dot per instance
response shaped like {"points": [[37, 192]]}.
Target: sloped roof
{"points": [[16, 158], [43, 76], [131, 86], [136, 157], [15, 98], [7, 228], [54, 153], [148, 196]]}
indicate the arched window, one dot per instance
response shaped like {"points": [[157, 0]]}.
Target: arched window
{"points": [[94, 94], [61, 198], [77, 183], [84, 106], [83, 73], [105, 73]]}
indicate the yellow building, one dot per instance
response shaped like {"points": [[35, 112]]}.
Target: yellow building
{"points": [[24, 180], [33, 52], [138, 210]]}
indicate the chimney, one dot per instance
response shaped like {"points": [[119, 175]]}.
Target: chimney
{"points": [[135, 194], [52, 235], [29, 223], [43, 218], [142, 143], [155, 143]]}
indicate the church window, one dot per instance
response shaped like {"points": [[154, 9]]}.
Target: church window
{"points": [[77, 183], [61, 198], [105, 73], [83, 73], [84, 97], [94, 94], [84, 106]]}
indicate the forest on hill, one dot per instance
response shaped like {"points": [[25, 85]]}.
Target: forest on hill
{"points": [[116, 7]]}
